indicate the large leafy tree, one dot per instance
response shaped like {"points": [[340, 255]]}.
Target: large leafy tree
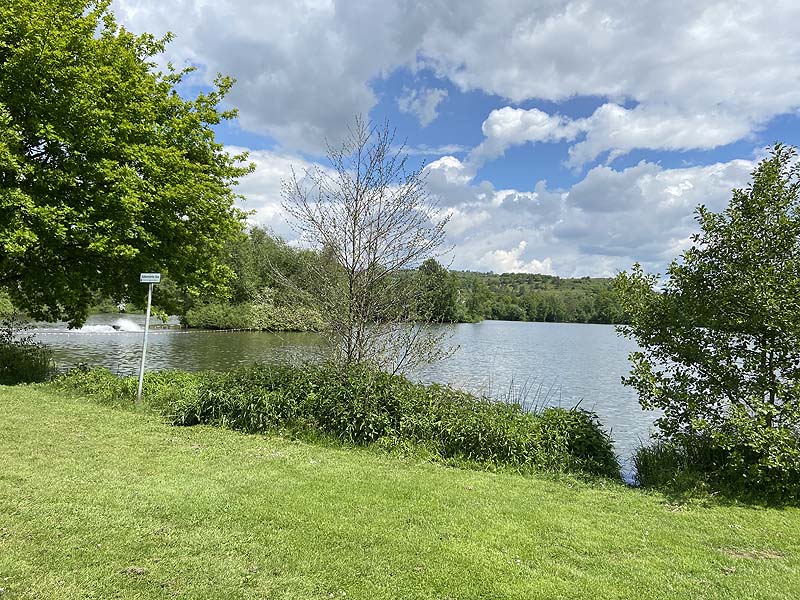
{"points": [[105, 170], [720, 338]]}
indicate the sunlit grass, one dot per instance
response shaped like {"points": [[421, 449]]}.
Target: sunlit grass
{"points": [[102, 503]]}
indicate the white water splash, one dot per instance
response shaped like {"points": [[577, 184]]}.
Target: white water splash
{"points": [[126, 325], [93, 329], [117, 326]]}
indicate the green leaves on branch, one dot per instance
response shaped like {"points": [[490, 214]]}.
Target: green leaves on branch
{"points": [[105, 171], [720, 340]]}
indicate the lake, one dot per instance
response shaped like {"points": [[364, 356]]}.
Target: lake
{"points": [[556, 364]]}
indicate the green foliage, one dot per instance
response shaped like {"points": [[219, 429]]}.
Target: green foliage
{"points": [[438, 300], [530, 297], [256, 297], [720, 343], [22, 358], [261, 261], [105, 171], [578, 433], [656, 465], [264, 315], [264, 264], [363, 406], [101, 384], [757, 468], [217, 315], [755, 460], [6, 307]]}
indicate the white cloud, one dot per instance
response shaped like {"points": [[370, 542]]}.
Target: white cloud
{"points": [[605, 222], [422, 103], [262, 188], [303, 68], [507, 126], [611, 128], [715, 69], [448, 170], [737, 56], [619, 130], [670, 75], [512, 261]]}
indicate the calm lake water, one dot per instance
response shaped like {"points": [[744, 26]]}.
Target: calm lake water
{"points": [[555, 364]]}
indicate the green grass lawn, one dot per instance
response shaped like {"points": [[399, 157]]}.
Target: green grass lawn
{"points": [[104, 503]]}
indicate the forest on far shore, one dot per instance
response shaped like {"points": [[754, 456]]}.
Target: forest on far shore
{"points": [[269, 277]]}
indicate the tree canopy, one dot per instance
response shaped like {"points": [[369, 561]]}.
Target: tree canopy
{"points": [[720, 337], [105, 170]]}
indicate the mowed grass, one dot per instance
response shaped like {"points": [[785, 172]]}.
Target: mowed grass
{"points": [[104, 503]]}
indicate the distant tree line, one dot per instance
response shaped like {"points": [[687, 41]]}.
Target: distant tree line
{"points": [[273, 283], [466, 296]]}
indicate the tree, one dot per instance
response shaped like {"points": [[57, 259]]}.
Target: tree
{"points": [[720, 339], [105, 171], [375, 221], [478, 296], [438, 299], [606, 308], [254, 257]]}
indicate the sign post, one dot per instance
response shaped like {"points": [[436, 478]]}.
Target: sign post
{"points": [[150, 279]]}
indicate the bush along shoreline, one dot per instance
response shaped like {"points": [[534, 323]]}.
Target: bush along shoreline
{"points": [[254, 316], [22, 358], [361, 406], [733, 462]]}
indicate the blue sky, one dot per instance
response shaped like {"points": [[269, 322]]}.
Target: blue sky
{"points": [[572, 138]]}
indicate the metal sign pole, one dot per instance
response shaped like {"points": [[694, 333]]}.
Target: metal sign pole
{"points": [[144, 345]]}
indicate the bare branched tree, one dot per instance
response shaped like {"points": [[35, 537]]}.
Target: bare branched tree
{"points": [[373, 221]]}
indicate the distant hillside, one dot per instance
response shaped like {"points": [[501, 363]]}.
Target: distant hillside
{"points": [[530, 297]]}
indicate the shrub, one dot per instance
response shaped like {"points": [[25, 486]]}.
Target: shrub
{"points": [[362, 406], [218, 316], [6, 307], [754, 461], [659, 464], [742, 461], [262, 315], [102, 385], [719, 339], [578, 434], [22, 358]]}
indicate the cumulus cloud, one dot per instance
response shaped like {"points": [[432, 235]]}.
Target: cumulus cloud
{"points": [[261, 189], [304, 68], [605, 222], [507, 126], [737, 56], [670, 75], [643, 213], [611, 128], [512, 261], [619, 130], [422, 103]]}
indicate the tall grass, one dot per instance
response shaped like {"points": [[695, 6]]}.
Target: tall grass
{"points": [[707, 464], [22, 358], [364, 407]]}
